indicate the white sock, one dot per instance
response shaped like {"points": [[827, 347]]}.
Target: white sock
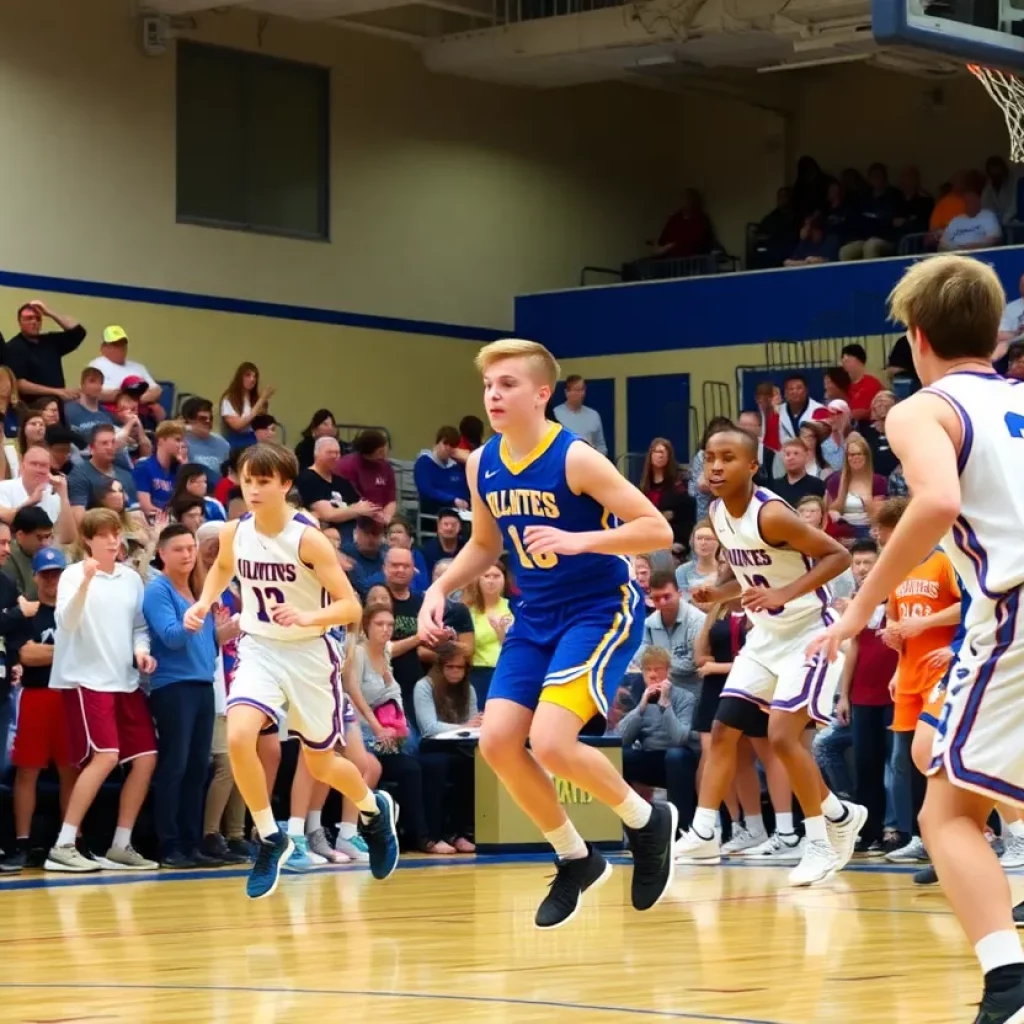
{"points": [[755, 824], [832, 807], [998, 949], [1015, 828], [68, 835], [814, 829], [296, 826], [312, 822], [634, 811], [264, 822], [122, 838], [704, 822], [347, 830], [784, 822], [368, 804], [567, 842]]}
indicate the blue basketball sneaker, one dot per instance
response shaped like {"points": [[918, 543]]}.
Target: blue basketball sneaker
{"points": [[299, 862], [381, 836], [271, 855]]}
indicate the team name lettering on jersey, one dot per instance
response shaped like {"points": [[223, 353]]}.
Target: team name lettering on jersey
{"points": [[918, 588], [748, 557], [267, 572], [523, 502]]}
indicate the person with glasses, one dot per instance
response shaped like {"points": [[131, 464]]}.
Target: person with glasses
{"points": [[210, 450]]}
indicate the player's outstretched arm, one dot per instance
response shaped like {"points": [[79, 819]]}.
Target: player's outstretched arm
{"points": [[319, 553], [217, 578], [643, 527]]}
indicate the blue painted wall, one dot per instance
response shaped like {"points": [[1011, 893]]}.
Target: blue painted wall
{"points": [[658, 405]]}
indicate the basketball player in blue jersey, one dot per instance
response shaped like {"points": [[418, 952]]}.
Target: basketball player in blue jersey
{"points": [[549, 499], [293, 591], [781, 568], [961, 443]]}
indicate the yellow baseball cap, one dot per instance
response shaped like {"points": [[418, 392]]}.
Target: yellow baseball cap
{"points": [[112, 335]]}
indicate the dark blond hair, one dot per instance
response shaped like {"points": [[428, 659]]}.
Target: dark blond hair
{"points": [[655, 656], [539, 361], [891, 512], [100, 521]]}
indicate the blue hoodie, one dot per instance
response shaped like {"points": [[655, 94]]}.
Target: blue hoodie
{"points": [[439, 484]]}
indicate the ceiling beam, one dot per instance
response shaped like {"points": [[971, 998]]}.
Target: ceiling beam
{"points": [[176, 7]]}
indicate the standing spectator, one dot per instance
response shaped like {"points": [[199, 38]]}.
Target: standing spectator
{"points": [[9, 599], [154, 476], [797, 482], [86, 413], [449, 540], [471, 437], [675, 626], [698, 484], [441, 479], [837, 384], [41, 737], [101, 645], [798, 408], [202, 445], [321, 424], [243, 400], [492, 619], [9, 401], [975, 228], [863, 386], [367, 468], [810, 187], [749, 421], [331, 498], [36, 359], [767, 398], [118, 370], [192, 482], [702, 568], [662, 482], [578, 418], [882, 455], [405, 643], [854, 494], [98, 468], [914, 206], [400, 536], [36, 486], [181, 699], [33, 530], [365, 552], [1000, 192]]}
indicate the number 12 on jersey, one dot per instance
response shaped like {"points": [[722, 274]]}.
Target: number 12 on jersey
{"points": [[547, 560], [760, 581]]}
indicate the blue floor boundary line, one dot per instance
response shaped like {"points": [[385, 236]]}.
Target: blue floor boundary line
{"points": [[446, 997]]}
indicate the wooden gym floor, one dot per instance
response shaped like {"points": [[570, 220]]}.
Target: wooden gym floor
{"points": [[454, 941]]}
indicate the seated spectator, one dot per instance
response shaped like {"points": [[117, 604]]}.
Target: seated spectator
{"points": [[777, 233], [264, 428], [400, 536], [85, 413], [814, 245], [797, 483], [36, 358], [155, 476], [471, 437], [855, 494], [914, 206], [836, 417], [99, 467], [896, 486], [9, 402], [331, 498], [642, 570], [837, 384], [842, 222], [687, 233], [1015, 362], [228, 478], [365, 552], [813, 436], [188, 511], [674, 625], [132, 440], [32, 431], [1000, 192], [49, 408], [202, 445], [767, 398], [797, 408], [697, 485], [60, 441], [121, 373], [949, 205], [440, 479], [662, 481], [321, 424], [243, 400], [702, 568], [878, 209], [863, 386], [882, 455], [578, 418], [492, 617], [814, 511], [810, 187], [36, 486], [656, 737], [192, 482], [32, 530], [975, 228], [367, 468], [182, 701], [445, 700], [749, 421], [449, 540]]}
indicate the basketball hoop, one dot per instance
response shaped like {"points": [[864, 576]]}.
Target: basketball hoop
{"points": [[1008, 92]]}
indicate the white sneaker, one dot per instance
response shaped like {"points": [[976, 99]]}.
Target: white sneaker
{"points": [[690, 848], [1013, 855], [819, 862], [126, 858], [777, 849], [843, 835], [743, 839], [67, 858], [354, 848], [913, 853]]}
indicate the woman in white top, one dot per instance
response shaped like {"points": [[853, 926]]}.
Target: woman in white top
{"points": [[855, 494], [241, 402]]}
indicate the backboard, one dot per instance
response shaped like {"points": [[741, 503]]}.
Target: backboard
{"points": [[985, 32]]}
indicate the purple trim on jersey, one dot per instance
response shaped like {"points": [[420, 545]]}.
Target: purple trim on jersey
{"points": [[965, 421], [814, 679], [269, 712], [304, 519], [1007, 607], [337, 732], [967, 541], [822, 593], [245, 515], [762, 704]]}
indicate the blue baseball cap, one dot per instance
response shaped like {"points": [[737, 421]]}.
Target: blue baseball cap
{"points": [[49, 559]]}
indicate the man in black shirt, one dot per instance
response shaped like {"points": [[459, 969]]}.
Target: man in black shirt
{"points": [[8, 602], [405, 643], [797, 483], [331, 498], [749, 421], [40, 737], [900, 369], [35, 358]]}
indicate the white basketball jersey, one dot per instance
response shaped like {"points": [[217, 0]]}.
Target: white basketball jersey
{"points": [[270, 572], [755, 563], [985, 543]]}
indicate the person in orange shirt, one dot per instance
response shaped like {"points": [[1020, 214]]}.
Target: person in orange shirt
{"points": [[923, 614], [948, 206]]}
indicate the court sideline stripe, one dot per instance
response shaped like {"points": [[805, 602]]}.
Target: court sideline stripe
{"points": [[444, 997]]}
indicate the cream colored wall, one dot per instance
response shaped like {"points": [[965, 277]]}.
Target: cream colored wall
{"points": [[348, 370], [449, 196]]}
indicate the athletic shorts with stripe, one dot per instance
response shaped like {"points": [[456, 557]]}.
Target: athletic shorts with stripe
{"points": [[774, 672], [574, 655]]}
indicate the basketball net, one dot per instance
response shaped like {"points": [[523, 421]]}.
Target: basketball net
{"points": [[1008, 92]]}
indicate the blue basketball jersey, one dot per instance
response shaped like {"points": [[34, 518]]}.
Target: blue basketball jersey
{"points": [[534, 492]]}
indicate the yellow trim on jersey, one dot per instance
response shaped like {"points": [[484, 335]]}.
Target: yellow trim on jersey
{"points": [[575, 697], [515, 466]]}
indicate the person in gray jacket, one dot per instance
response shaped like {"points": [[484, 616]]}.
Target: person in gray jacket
{"points": [[658, 747]]}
